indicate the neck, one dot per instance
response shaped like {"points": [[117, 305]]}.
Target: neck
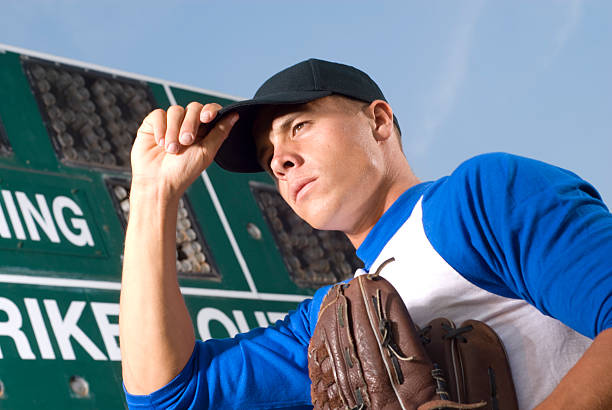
{"points": [[383, 198]]}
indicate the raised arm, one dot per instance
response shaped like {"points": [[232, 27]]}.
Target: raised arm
{"points": [[156, 332]]}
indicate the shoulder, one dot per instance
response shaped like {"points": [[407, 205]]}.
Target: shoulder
{"points": [[500, 161], [493, 168], [502, 178]]}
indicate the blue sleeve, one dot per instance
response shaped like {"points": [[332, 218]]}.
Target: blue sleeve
{"points": [[261, 369], [525, 229]]}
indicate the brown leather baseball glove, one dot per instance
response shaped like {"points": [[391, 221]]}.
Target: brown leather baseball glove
{"points": [[366, 353]]}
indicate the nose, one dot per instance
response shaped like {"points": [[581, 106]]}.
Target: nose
{"points": [[283, 160]]}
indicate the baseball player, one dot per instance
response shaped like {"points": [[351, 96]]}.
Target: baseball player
{"points": [[510, 241]]}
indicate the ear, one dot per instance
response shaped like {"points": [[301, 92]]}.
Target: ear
{"points": [[382, 116]]}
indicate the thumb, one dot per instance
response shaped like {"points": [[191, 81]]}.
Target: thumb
{"points": [[211, 143]]}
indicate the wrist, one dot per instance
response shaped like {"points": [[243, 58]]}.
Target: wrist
{"points": [[149, 190], [152, 210]]}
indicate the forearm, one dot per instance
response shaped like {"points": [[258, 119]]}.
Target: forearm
{"points": [[587, 385], [156, 332]]}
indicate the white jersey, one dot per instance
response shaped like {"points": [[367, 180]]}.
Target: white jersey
{"points": [[540, 349]]}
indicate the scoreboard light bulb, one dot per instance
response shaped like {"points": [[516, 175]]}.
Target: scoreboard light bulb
{"points": [[65, 139], [97, 157], [68, 116], [84, 155], [125, 206], [186, 265], [108, 115], [187, 249], [89, 107], [338, 257], [103, 101], [83, 93], [111, 98], [200, 257], [109, 159], [44, 86], [38, 72], [114, 129], [59, 126], [71, 153], [96, 121], [54, 113], [126, 138], [91, 139], [116, 111], [120, 192], [205, 268], [105, 147], [63, 79], [191, 234], [79, 80]]}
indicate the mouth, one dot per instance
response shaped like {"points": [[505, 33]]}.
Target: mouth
{"points": [[301, 188]]}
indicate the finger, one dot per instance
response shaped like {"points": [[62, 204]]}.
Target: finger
{"points": [[176, 113], [154, 125], [209, 112], [211, 143], [191, 122]]}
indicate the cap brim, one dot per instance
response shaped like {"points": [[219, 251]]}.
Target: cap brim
{"points": [[238, 153]]}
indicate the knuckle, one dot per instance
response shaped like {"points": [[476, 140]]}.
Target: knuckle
{"points": [[176, 109], [156, 113], [212, 107], [194, 105]]}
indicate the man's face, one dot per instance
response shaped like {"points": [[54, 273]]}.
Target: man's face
{"points": [[324, 158]]}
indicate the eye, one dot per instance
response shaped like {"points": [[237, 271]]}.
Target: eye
{"points": [[297, 127]]}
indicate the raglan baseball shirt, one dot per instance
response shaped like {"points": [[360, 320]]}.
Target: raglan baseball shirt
{"points": [[524, 246]]}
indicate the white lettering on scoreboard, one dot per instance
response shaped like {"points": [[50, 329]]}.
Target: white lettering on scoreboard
{"points": [[40, 215], [65, 330]]}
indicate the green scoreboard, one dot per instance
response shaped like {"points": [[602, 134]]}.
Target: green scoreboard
{"points": [[66, 129]]}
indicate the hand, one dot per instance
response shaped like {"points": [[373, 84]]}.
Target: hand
{"points": [[171, 149]]}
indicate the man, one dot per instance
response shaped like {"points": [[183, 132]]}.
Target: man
{"points": [[519, 244]]}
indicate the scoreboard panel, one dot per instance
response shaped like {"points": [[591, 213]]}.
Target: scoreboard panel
{"points": [[244, 259]]}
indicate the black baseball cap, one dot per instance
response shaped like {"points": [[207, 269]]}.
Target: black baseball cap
{"points": [[298, 84]]}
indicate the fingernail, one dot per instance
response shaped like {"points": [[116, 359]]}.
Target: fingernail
{"points": [[186, 138], [206, 116], [234, 119], [172, 148], [161, 142]]}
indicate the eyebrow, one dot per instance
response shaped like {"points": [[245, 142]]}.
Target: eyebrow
{"points": [[287, 121]]}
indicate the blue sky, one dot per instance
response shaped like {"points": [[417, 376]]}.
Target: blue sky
{"points": [[464, 77]]}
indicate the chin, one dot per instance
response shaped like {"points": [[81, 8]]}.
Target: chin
{"points": [[322, 218], [311, 216], [323, 212]]}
